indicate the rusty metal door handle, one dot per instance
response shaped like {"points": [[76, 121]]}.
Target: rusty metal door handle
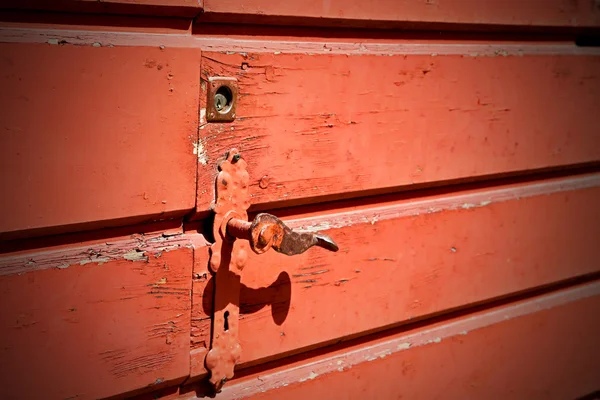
{"points": [[229, 256], [267, 231]]}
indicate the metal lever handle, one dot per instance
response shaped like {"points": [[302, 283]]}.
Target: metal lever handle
{"points": [[267, 231]]}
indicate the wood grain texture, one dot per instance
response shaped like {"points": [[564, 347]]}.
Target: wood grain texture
{"points": [[96, 321], [99, 136], [540, 348], [561, 13], [330, 126], [410, 259]]}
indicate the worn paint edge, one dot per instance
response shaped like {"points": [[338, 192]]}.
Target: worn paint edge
{"points": [[405, 341], [137, 248], [465, 201], [390, 49], [283, 45]]}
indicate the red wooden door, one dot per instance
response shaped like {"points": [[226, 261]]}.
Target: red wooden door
{"points": [[450, 149]]}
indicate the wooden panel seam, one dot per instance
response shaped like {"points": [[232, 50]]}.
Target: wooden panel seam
{"points": [[384, 13], [465, 201], [307, 45]]}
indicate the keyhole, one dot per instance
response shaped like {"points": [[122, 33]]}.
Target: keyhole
{"points": [[220, 101], [226, 318], [223, 100]]}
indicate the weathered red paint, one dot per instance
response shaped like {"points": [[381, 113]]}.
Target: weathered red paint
{"points": [[94, 137], [331, 126], [96, 319], [100, 136], [544, 347], [171, 8], [563, 13], [410, 259]]}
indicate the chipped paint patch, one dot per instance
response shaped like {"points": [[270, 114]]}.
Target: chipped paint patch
{"points": [[434, 340], [95, 259], [310, 376], [464, 201], [200, 151], [135, 248], [202, 116], [403, 346], [323, 226], [135, 255]]}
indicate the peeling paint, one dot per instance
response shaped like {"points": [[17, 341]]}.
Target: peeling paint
{"points": [[323, 226], [200, 151], [311, 376], [403, 346], [95, 259], [136, 248], [135, 255], [455, 202]]}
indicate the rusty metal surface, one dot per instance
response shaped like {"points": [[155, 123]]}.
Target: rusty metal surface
{"points": [[221, 99], [227, 261], [267, 231], [228, 257]]}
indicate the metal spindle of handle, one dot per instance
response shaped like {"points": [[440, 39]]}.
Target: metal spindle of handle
{"points": [[267, 231]]}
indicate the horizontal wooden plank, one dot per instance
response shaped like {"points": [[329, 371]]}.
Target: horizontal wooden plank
{"points": [[314, 127], [545, 347], [97, 319], [526, 13], [95, 136], [405, 260], [173, 8]]}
